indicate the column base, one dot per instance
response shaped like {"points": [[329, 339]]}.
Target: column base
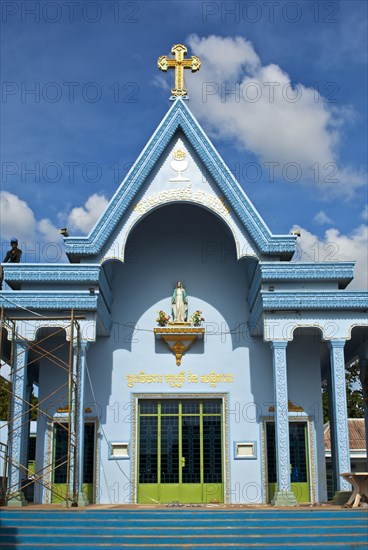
{"points": [[17, 499], [284, 498], [82, 500], [341, 497]]}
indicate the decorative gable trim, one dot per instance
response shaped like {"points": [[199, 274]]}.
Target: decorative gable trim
{"points": [[179, 116]]}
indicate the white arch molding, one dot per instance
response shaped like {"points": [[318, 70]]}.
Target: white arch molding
{"points": [[243, 249]]}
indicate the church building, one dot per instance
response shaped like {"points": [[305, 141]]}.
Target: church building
{"points": [[179, 355]]}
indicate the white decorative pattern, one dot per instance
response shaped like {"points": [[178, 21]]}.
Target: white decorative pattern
{"points": [[306, 271], [341, 433], [59, 273], [316, 299], [49, 299], [281, 416]]}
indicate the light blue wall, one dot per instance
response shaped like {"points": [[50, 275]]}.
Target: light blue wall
{"points": [[187, 243]]}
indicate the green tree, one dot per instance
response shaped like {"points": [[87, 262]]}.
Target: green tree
{"points": [[354, 396], [4, 398], [354, 393], [34, 401]]}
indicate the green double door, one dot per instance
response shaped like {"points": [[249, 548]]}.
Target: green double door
{"points": [[180, 454]]}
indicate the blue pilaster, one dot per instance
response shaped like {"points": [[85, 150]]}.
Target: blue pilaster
{"points": [[18, 430], [284, 495], [340, 433]]}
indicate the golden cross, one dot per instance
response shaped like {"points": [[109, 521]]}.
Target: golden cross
{"points": [[179, 64]]}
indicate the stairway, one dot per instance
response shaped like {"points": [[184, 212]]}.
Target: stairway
{"points": [[92, 529]]}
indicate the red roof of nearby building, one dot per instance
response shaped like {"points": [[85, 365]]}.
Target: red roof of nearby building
{"points": [[356, 434]]}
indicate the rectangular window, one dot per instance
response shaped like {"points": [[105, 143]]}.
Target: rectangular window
{"points": [[148, 449]]}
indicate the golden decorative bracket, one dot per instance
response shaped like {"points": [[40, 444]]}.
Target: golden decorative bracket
{"points": [[179, 338]]}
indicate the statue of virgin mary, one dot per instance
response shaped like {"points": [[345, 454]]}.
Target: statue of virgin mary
{"points": [[179, 304]]}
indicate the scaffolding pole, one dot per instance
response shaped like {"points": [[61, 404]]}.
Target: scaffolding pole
{"points": [[65, 394]]}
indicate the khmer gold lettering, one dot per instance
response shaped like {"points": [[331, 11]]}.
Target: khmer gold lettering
{"points": [[177, 380]]}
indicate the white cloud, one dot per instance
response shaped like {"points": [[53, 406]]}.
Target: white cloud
{"points": [[264, 112], [160, 82], [48, 230], [83, 218], [16, 218], [322, 218], [227, 56], [39, 239], [335, 247], [364, 214]]}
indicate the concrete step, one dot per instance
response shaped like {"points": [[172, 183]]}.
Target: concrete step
{"points": [[205, 546], [175, 532], [207, 537], [92, 529]]}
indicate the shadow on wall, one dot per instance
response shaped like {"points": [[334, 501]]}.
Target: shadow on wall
{"points": [[175, 242], [180, 243]]}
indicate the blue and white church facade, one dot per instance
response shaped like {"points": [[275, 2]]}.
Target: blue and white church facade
{"points": [[227, 410]]}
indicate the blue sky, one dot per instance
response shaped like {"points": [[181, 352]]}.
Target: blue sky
{"points": [[99, 96]]}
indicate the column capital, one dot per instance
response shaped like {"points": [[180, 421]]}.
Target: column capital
{"points": [[82, 345], [20, 342], [334, 344], [279, 344]]}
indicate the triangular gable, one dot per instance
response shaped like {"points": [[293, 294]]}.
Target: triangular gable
{"points": [[179, 116]]}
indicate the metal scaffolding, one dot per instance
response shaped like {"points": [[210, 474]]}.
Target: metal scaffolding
{"points": [[65, 394]]}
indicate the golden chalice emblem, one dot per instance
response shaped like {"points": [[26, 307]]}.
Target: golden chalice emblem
{"points": [[179, 165]]}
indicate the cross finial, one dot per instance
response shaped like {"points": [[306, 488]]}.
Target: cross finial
{"points": [[179, 64]]}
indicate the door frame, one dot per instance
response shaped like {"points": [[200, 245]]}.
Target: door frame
{"points": [[63, 419], [301, 417], [225, 434]]}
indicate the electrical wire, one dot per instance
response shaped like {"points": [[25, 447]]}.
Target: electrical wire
{"points": [[129, 326]]}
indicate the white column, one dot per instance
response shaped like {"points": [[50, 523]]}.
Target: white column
{"points": [[17, 426], [82, 361], [341, 456], [283, 496]]}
